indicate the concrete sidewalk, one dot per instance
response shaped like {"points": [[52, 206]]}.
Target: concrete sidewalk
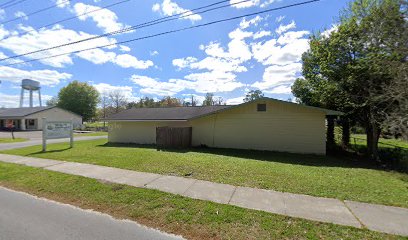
{"points": [[34, 142], [380, 218]]}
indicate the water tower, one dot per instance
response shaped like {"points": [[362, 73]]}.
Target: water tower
{"points": [[30, 85]]}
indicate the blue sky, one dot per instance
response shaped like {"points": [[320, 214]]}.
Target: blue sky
{"points": [[228, 59]]}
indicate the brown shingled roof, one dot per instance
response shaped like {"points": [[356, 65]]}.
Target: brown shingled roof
{"points": [[165, 113]]}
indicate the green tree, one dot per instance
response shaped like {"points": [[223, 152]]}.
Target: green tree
{"points": [[209, 99], [170, 102], [143, 102], [117, 100], [52, 102], [192, 103], [253, 95], [351, 69], [80, 98]]}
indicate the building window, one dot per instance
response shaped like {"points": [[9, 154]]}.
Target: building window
{"points": [[261, 107], [31, 122]]}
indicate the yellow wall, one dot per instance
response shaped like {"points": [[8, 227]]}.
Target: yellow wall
{"points": [[283, 127], [137, 132]]}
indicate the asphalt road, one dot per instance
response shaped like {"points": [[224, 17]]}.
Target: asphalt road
{"points": [[33, 142], [23, 216]]}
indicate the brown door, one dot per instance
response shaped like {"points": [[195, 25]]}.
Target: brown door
{"points": [[173, 137]]}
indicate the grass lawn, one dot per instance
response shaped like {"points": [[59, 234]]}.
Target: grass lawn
{"points": [[361, 140], [10, 140], [194, 219], [91, 134], [95, 124], [306, 174]]}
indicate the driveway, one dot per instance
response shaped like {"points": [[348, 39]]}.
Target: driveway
{"points": [[23, 216], [25, 134]]}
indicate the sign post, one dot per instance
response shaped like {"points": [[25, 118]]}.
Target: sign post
{"points": [[57, 129], [71, 135], [44, 134], [10, 125]]}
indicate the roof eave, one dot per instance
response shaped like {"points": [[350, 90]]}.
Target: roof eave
{"points": [[145, 120]]}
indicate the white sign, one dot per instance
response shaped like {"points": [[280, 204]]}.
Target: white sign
{"points": [[55, 130], [58, 130]]}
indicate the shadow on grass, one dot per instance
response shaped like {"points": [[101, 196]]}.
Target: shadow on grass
{"points": [[49, 151], [345, 159]]}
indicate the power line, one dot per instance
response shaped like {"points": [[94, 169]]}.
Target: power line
{"points": [[169, 32], [5, 6], [66, 19], [6, 3], [127, 29], [35, 12]]}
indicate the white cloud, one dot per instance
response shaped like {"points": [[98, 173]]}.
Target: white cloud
{"points": [[267, 3], [8, 61], [152, 86], [20, 14], [327, 32], [198, 98], [45, 77], [247, 23], [284, 28], [105, 89], [292, 36], [282, 89], [127, 61], [248, 4], [13, 101], [276, 75], [9, 101], [184, 62], [3, 32], [235, 101], [169, 8], [282, 58], [124, 48], [238, 48], [279, 18], [2, 14], [97, 56], [37, 40], [212, 81], [262, 34], [104, 18], [62, 3], [156, 7], [154, 53], [217, 72], [220, 66], [287, 49]]}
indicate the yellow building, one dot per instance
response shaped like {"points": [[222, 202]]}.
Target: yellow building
{"points": [[264, 124]]}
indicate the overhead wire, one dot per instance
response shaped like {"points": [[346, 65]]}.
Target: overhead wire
{"points": [[171, 31], [65, 20], [131, 28], [4, 6], [6, 3], [35, 12]]}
